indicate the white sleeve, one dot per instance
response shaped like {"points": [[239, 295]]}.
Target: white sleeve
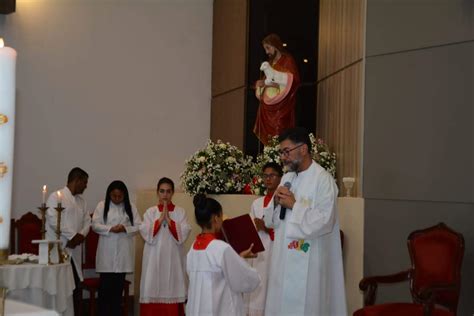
{"points": [[241, 277], [133, 229], [86, 222], [311, 221], [182, 228], [98, 224], [271, 215], [146, 227], [252, 208]]}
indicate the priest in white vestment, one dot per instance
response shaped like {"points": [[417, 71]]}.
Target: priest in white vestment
{"points": [[306, 273]]}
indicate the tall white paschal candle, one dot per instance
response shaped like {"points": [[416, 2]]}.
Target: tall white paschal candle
{"points": [[7, 133]]}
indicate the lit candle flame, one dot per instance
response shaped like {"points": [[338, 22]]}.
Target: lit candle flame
{"points": [[2, 44], [44, 193]]}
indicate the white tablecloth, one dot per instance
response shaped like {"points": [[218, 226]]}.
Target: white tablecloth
{"points": [[48, 286], [15, 308]]}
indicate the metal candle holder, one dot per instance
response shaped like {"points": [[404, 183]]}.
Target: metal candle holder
{"points": [[43, 208], [61, 253]]}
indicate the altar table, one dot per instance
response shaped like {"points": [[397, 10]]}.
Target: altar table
{"points": [[47, 286]]}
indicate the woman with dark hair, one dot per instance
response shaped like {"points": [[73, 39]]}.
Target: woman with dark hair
{"points": [[116, 221], [217, 274], [164, 229]]}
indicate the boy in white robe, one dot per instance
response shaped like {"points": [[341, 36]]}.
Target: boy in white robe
{"points": [[255, 301], [306, 273], [217, 274], [163, 280], [75, 223]]}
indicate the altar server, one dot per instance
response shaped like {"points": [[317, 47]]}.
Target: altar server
{"points": [[255, 301], [116, 220], [217, 274], [75, 223], [163, 281]]}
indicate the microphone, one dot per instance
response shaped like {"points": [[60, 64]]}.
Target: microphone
{"points": [[283, 209]]}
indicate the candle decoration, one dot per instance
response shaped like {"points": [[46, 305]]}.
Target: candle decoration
{"points": [[44, 193], [7, 131], [60, 197]]}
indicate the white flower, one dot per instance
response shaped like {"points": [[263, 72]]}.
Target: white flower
{"points": [[213, 169], [230, 159]]}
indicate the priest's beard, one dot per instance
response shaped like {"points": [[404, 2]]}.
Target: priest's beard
{"points": [[293, 165]]}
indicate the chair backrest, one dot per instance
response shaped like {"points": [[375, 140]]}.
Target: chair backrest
{"points": [[436, 254], [341, 234], [90, 245], [12, 236], [28, 228]]}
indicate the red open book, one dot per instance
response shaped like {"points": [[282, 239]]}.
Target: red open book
{"points": [[240, 233]]}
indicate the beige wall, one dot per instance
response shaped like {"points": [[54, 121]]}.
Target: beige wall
{"points": [[418, 133], [351, 218], [341, 65], [229, 63], [120, 88]]}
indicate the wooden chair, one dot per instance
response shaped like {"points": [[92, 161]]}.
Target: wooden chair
{"points": [[92, 284], [12, 236], [436, 255], [28, 228], [341, 234]]}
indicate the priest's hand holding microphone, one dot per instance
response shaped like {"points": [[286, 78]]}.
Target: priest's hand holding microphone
{"points": [[285, 198]]}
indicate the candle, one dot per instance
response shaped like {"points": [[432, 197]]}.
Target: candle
{"points": [[45, 191], [7, 130], [60, 198]]}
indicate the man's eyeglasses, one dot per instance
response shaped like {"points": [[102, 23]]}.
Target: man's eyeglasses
{"points": [[286, 152], [269, 176]]}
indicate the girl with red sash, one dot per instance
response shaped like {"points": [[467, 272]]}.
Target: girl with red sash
{"points": [[217, 274]]}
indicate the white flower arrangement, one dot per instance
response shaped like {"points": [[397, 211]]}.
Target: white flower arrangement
{"points": [[320, 153], [218, 168]]}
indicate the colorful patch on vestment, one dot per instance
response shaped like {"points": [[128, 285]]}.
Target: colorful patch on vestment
{"points": [[300, 245]]}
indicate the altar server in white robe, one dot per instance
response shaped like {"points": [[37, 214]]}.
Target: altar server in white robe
{"points": [[75, 222], [255, 301], [217, 274], [116, 220], [306, 274], [163, 281]]}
